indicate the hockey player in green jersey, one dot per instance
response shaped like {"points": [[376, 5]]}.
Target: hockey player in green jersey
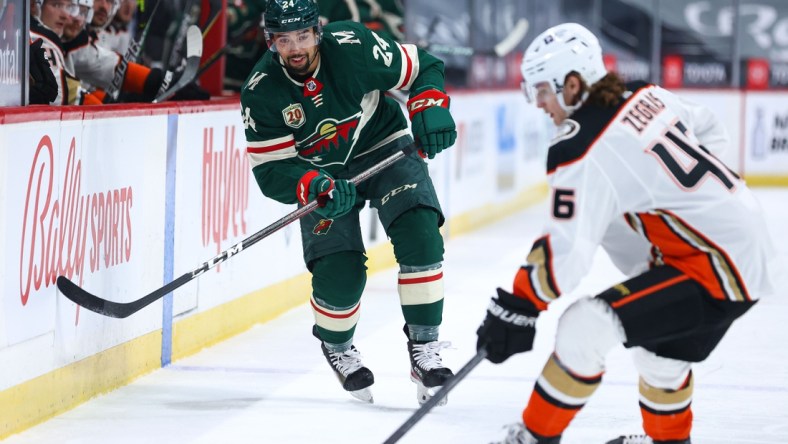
{"points": [[316, 115], [385, 17]]}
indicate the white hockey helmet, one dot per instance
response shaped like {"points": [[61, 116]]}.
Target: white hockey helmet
{"points": [[114, 9], [89, 5], [557, 52], [35, 8]]}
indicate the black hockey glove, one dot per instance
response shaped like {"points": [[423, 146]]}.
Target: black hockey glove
{"points": [[152, 84], [509, 328], [192, 91], [43, 84]]}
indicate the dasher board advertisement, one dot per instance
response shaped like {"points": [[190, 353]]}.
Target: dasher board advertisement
{"points": [[13, 52], [83, 199], [766, 135]]}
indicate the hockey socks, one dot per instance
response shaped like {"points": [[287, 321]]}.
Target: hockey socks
{"points": [[557, 397], [421, 294], [667, 415]]}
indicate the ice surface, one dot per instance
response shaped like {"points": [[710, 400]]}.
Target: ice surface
{"points": [[272, 385]]}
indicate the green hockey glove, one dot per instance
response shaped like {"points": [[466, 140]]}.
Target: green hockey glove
{"points": [[334, 197], [433, 126]]}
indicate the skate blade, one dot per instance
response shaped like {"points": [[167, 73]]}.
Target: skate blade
{"points": [[424, 394], [364, 394]]}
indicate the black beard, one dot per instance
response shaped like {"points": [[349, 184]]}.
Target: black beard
{"points": [[301, 74]]}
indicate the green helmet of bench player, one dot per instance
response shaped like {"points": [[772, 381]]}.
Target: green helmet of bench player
{"points": [[290, 15]]}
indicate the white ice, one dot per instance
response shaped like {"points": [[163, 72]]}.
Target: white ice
{"points": [[272, 385]]}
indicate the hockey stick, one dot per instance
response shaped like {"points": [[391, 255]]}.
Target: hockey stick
{"points": [[436, 398], [193, 55], [172, 52], [131, 56], [213, 58], [124, 309], [211, 22], [514, 38], [501, 49]]}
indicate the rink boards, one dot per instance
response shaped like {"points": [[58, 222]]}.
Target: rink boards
{"points": [[124, 199]]}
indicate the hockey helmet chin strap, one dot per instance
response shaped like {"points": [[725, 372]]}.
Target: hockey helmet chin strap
{"points": [[571, 108]]}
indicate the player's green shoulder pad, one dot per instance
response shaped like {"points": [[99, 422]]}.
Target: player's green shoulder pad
{"points": [[347, 35], [260, 75]]}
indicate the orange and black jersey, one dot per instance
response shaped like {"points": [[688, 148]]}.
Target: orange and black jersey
{"points": [[641, 180]]}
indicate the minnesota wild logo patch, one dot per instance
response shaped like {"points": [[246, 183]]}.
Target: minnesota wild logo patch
{"points": [[322, 227], [294, 115]]}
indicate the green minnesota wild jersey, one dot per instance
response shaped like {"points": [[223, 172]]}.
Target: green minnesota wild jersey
{"points": [[337, 114], [385, 17]]}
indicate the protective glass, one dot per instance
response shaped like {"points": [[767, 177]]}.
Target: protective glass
{"points": [[528, 91], [536, 93], [293, 40], [85, 13]]}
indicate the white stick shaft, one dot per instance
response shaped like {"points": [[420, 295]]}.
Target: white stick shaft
{"points": [[514, 38]]}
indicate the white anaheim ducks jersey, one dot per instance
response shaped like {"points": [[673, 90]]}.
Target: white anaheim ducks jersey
{"points": [[114, 37], [93, 64], [639, 180]]}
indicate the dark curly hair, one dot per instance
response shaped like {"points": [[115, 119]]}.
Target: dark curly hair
{"points": [[607, 92]]}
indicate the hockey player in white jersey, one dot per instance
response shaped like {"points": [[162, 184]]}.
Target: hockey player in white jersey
{"points": [[631, 170]]}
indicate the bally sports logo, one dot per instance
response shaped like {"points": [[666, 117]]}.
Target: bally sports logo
{"points": [[61, 233], [328, 134]]}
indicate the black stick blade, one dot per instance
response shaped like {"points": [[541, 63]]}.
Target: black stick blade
{"points": [[125, 309], [90, 301]]}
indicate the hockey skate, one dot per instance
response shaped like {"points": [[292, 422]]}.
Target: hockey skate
{"points": [[426, 368], [354, 377], [643, 439], [517, 434]]}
